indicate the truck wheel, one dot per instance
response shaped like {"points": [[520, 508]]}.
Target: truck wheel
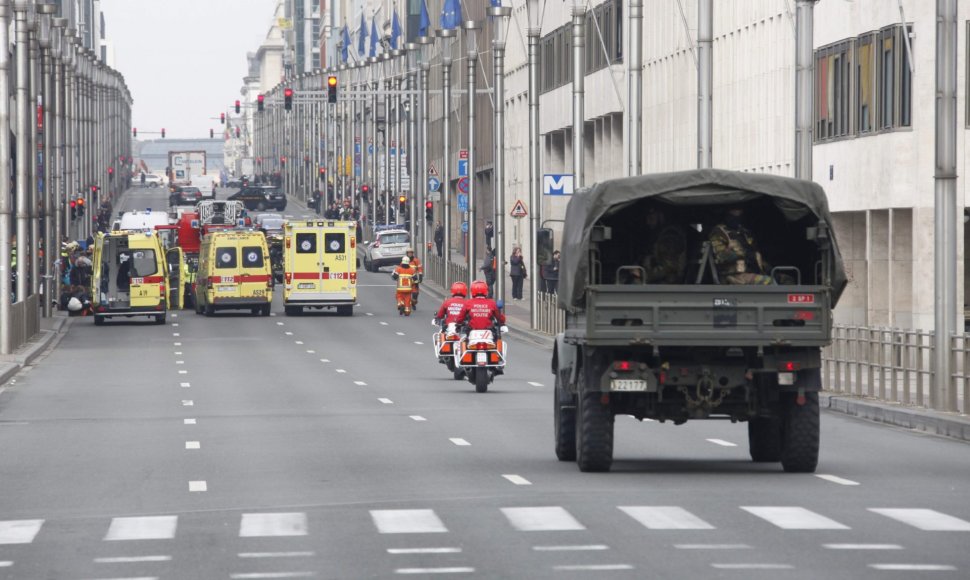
{"points": [[764, 439], [481, 380], [565, 424], [594, 431], [799, 453]]}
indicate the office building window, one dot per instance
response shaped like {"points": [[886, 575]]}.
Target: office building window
{"points": [[833, 90]]}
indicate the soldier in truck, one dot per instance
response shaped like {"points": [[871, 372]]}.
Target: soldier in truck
{"points": [[736, 253]]}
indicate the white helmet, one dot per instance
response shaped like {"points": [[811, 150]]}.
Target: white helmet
{"points": [[74, 305], [405, 261]]}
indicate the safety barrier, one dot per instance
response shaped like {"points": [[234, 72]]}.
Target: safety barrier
{"points": [[434, 271], [24, 321], [550, 318], [895, 365]]}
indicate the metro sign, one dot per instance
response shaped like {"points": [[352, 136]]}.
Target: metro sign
{"points": [[553, 184]]}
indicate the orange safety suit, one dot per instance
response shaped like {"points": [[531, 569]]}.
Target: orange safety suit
{"points": [[405, 279]]}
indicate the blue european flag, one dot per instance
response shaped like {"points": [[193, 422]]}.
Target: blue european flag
{"points": [[450, 14], [363, 36], [395, 31], [345, 50], [373, 36], [425, 21]]}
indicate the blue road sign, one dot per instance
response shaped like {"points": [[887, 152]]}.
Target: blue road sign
{"points": [[462, 168], [356, 147], [462, 202], [434, 183], [370, 148], [464, 227]]}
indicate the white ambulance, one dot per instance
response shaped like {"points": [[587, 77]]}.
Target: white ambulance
{"points": [[320, 266]]}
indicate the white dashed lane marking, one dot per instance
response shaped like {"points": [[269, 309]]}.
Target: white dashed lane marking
{"points": [[360, 383], [383, 324], [178, 352], [198, 486], [535, 384], [276, 554], [324, 360], [418, 418], [288, 333], [386, 401], [187, 403], [279, 324], [183, 372], [399, 333], [836, 479], [19, 531], [913, 567], [311, 352], [176, 344], [341, 371], [180, 362], [418, 342], [427, 571], [579, 548], [459, 441], [176, 334], [592, 567], [712, 546], [862, 546], [188, 421], [299, 342], [193, 445], [185, 385], [517, 479], [424, 550], [132, 559], [723, 443]]}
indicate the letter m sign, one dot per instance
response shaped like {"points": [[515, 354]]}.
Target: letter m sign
{"points": [[557, 184]]}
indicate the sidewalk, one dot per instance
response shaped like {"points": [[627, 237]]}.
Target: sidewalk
{"points": [[51, 330]]}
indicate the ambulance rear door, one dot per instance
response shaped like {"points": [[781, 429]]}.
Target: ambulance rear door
{"points": [[175, 259], [304, 263], [337, 258]]}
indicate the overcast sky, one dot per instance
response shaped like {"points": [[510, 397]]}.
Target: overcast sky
{"points": [[184, 60]]}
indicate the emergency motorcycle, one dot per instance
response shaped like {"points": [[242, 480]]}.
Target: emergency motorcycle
{"points": [[481, 355], [446, 343]]}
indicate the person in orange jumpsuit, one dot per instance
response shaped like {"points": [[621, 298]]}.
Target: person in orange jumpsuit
{"points": [[404, 274], [418, 276]]}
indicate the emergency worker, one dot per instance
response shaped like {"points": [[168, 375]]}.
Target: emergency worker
{"points": [[404, 274], [736, 252], [451, 307], [418, 276], [188, 282], [480, 312]]}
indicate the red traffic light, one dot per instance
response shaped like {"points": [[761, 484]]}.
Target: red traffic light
{"points": [[222, 118], [428, 205], [237, 106], [163, 133], [134, 131], [73, 204], [111, 170], [288, 93], [364, 188]]}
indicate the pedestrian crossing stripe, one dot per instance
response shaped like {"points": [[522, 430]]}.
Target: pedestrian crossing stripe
{"points": [[523, 519]]}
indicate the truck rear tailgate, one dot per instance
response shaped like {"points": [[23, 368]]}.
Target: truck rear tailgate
{"points": [[705, 315]]}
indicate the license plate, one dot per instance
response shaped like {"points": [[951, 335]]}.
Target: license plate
{"points": [[227, 288], [482, 359], [628, 385], [305, 286]]}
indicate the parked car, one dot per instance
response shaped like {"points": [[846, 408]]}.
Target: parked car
{"points": [[387, 249], [260, 197], [151, 180], [185, 195]]}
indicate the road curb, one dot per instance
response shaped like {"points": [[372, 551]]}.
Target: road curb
{"points": [[28, 353], [950, 425]]}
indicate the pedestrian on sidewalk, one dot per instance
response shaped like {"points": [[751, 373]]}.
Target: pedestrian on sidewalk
{"points": [[489, 268], [517, 272], [550, 274], [489, 233], [439, 237]]}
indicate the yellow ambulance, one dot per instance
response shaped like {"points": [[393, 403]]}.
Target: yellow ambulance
{"points": [[234, 273], [320, 266], [129, 276]]}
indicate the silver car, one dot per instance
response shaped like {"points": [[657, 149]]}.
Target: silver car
{"points": [[388, 249]]}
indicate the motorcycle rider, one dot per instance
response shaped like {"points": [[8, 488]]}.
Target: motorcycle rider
{"points": [[418, 276], [451, 307], [480, 312], [404, 274]]}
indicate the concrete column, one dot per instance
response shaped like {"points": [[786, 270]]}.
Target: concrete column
{"points": [[6, 339]]}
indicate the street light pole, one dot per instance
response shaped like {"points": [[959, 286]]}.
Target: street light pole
{"points": [[412, 118], [634, 114], [399, 69], [535, 187], [425, 43], [500, 16], [471, 44], [448, 37], [5, 209], [705, 79], [579, 91], [23, 155]]}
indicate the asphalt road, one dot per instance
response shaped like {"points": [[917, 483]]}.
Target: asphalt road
{"points": [[329, 447]]}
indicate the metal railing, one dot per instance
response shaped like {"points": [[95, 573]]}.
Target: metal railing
{"points": [[434, 271], [551, 319], [895, 365], [24, 321]]}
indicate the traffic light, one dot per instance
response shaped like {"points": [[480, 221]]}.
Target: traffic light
{"points": [[73, 210], [283, 161], [428, 211], [402, 202], [212, 134], [365, 191], [259, 103], [237, 106], [222, 118], [80, 207], [163, 133], [288, 98], [111, 173], [134, 132], [332, 89], [322, 173]]}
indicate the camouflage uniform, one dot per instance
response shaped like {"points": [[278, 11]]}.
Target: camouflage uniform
{"points": [[737, 257], [667, 260]]}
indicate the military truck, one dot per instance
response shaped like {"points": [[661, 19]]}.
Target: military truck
{"points": [[694, 347]]}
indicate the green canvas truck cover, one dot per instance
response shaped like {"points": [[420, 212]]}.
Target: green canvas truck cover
{"points": [[794, 198]]}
